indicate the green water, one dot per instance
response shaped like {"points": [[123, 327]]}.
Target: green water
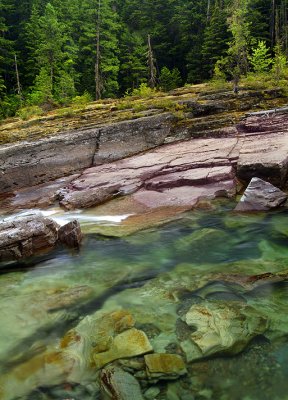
{"points": [[44, 297]]}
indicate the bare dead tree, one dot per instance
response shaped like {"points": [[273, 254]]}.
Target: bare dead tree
{"points": [[272, 22], [151, 65], [208, 10], [19, 89], [98, 84]]}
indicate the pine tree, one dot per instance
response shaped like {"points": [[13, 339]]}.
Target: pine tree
{"points": [[108, 47], [216, 38], [51, 55], [133, 68], [169, 79], [238, 47], [260, 58], [6, 51]]}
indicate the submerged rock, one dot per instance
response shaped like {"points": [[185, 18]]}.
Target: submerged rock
{"points": [[222, 327], [204, 244], [261, 196], [164, 366], [119, 385], [130, 343]]}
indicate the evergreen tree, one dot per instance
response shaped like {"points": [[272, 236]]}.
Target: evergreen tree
{"points": [[51, 56], [238, 47], [133, 68], [6, 51], [108, 47], [260, 58], [169, 79], [216, 38]]}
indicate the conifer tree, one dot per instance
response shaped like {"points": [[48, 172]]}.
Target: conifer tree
{"points": [[133, 68], [216, 37], [6, 50], [260, 58], [108, 51], [238, 47]]}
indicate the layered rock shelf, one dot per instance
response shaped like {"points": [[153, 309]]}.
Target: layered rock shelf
{"points": [[174, 175]]}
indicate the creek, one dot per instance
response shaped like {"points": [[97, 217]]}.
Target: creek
{"points": [[204, 256]]}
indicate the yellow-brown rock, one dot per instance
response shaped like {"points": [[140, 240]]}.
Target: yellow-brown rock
{"points": [[164, 366], [130, 343]]}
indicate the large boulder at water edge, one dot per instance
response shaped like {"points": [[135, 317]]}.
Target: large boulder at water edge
{"points": [[261, 196], [70, 234], [27, 236]]}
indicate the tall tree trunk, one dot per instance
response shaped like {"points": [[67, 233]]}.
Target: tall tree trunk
{"points": [[97, 62], [151, 65], [285, 27], [272, 22], [19, 90], [208, 9]]}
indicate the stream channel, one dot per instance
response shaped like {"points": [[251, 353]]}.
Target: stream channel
{"points": [[158, 275]]}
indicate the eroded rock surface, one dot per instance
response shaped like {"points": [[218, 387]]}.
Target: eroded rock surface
{"points": [[265, 145], [27, 236], [261, 196], [48, 159], [70, 234], [223, 327], [173, 175], [24, 237]]}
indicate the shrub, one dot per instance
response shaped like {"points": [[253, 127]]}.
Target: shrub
{"points": [[143, 91], [82, 100], [30, 111]]}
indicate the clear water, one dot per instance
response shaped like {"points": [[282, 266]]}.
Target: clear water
{"points": [[43, 297]]}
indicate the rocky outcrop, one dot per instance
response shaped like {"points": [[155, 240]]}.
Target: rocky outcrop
{"points": [[31, 235], [70, 234], [261, 196], [173, 175], [25, 237], [264, 147], [35, 162], [52, 158]]}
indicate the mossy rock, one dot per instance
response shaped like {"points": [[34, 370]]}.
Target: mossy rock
{"points": [[204, 245], [235, 220]]}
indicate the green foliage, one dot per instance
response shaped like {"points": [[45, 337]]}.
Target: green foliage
{"points": [[133, 69], [216, 38], [170, 79], [82, 100], [238, 46], [42, 91], [64, 88], [9, 104], [279, 65], [260, 58], [55, 44], [26, 113], [143, 91]]}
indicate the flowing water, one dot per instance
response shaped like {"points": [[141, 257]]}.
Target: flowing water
{"points": [[43, 297]]}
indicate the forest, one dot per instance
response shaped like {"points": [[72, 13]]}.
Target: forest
{"points": [[53, 51]]}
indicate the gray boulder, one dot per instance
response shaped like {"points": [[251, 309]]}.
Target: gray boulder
{"points": [[261, 196], [70, 234], [24, 237], [30, 235]]}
